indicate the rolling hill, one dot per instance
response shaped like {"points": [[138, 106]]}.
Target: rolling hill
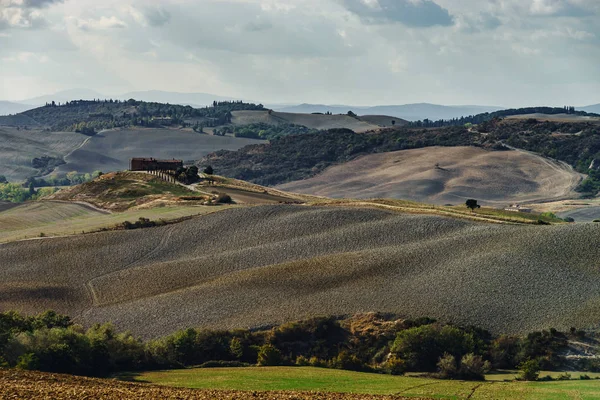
{"points": [[18, 148], [313, 121], [111, 150], [442, 175], [256, 266], [409, 112]]}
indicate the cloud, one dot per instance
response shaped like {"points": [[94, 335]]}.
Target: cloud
{"points": [[413, 13], [157, 16], [23, 13], [100, 23]]}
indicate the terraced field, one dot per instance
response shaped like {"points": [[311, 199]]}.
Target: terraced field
{"points": [[111, 150], [250, 267], [441, 175], [19, 147]]}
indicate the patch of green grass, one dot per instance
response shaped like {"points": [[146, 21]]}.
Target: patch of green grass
{"points": [[328, 380]]}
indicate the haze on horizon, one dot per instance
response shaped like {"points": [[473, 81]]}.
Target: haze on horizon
{"points": [[360, 52]]}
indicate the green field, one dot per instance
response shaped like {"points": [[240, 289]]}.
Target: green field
{"points": [[328, 380], [49, 218]]}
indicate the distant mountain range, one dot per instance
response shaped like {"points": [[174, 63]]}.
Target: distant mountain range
{"points": [[595, 109], [410, 112], [8, 107]]}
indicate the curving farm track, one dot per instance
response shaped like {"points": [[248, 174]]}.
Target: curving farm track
{"points": [[256, 266]]}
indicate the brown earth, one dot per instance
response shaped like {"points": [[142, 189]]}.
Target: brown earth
{"points": [[442, 175], [25, 385]]}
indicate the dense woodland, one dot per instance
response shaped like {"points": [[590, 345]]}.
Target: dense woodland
{"points": [[370, 342], [298, 157], [90, 116]]}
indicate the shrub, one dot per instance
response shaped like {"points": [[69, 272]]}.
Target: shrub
{"points": [[530, 370], [447, 366], [302, 361], [565, 376], [395, 365], [223, 198], [269, 355], [347, 361], [28, 361], [584, 377], [473, 367], [317, 362], [224, 364]]}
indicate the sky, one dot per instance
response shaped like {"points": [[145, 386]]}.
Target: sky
{"points": [[359, 52]]}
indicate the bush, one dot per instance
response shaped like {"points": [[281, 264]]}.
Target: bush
{"points": [[317, 362], [224, 364], [530, 370], [347, 361], [447, 366], [565, 376], [395, 365], [28, 361], [302, 361], [584, 377], [473, 367], [269, 355], [223, 198]]}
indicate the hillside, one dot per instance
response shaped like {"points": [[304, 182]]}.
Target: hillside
{"points": [[443, 175], [409, 112], [312, 121], [94, 115], [7, 107], [257, 266], [301, 157], [111, 150], [18, 148], [124, 190]]}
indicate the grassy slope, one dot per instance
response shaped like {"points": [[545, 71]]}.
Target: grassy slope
{"points": [[123, 190], [61, 219], [255, 266], [324, 380]]}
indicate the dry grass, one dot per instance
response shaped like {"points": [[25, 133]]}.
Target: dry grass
{"points": [[256, 266], [442, 175], [24, 385]]}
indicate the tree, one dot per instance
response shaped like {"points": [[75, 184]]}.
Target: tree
{"points": [[3, 179], [209, 170], [530, 370], [269, 355], [472, 204]]}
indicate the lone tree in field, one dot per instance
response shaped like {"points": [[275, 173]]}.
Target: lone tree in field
{"points": [[208, 170], [472, 204]]}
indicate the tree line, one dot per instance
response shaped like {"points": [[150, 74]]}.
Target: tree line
{"points": [[53, 343]]}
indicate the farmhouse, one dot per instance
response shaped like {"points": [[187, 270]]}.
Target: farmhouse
{"points": [[162, 120], [518, 208], [152, 164]]}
